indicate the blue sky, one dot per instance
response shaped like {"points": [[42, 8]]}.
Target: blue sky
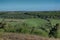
{"points": [[29, 5]]}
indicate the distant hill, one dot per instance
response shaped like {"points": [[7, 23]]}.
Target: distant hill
{"points": [[30, 14]]}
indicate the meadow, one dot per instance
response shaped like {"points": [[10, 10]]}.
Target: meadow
{"points": [[26, 26]]}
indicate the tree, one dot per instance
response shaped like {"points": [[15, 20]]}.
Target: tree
{"points": [[53, 31]]}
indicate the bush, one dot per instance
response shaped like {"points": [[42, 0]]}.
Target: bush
{"points": [[1, 30]]}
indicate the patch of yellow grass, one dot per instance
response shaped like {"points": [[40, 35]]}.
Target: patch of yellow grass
{"points": [[19, 36], [1, 39]]}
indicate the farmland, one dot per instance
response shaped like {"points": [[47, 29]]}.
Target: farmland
{"points": [[30, 22]]}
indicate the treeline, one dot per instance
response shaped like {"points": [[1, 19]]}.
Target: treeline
{"points": [[24, 15]]}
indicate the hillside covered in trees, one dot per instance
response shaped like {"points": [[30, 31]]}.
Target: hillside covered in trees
{"points": [[30, 14]]}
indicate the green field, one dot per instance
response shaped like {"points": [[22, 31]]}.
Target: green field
{"points": [[26, 26]]}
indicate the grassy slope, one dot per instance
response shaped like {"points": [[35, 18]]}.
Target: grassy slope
{"points": [[31, 23]]}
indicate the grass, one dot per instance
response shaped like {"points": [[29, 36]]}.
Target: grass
{"points": [[19, 36], [35, 22], [26, 25]]}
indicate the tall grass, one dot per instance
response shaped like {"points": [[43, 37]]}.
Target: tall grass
{"points": [[31, 26]]}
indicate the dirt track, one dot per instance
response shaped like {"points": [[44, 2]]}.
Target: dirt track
{"points": [[14, 36]]}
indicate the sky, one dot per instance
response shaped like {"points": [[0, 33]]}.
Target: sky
{"points": [[29, 5]]}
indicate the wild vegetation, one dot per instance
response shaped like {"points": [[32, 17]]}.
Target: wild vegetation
{"points": [[30, 14], [46, 23]]}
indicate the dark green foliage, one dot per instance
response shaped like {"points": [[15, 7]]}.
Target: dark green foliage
{"points": [[53, 31], [25, 15], [48, 25], [32, 30], [2, 24]]}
